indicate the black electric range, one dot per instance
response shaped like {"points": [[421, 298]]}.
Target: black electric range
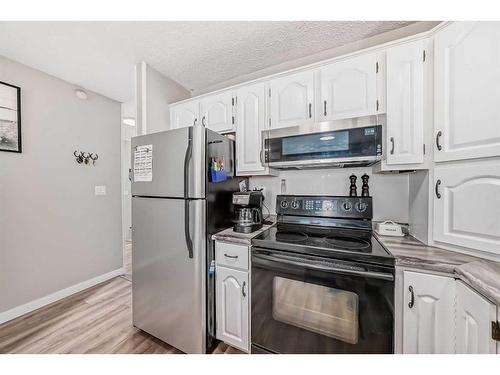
{"points": [[331, 227], [321, 283]]}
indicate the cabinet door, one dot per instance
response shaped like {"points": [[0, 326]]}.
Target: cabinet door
{"points": [[428, 314], [184, 114], [467, 204], [292, 100], [405, 104], [251, 120], [232, 307], [474, 317], [467, 91], [217, 112], [349, 88]]}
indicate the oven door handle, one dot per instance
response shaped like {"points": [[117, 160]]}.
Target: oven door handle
{"points": [[318, 267]]}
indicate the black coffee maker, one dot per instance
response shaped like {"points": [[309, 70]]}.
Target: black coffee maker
{"points": [[248, 211]]}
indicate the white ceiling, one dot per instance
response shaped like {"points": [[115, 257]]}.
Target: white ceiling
{"points": [[100, 56]]}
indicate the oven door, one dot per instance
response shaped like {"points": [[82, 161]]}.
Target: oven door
{"points": [[303, 304]]}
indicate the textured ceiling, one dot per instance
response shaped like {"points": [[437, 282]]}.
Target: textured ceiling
{"points": [[101, 55]]}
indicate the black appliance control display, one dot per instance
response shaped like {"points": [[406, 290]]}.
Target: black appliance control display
{"points": [[324, 206]]}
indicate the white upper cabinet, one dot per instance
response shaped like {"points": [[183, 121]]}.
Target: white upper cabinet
{"points": [[217, 112], [250, 121], [467, 91], [467, 204], [428, 314], [349, 88], [184, 114], [405, 104], [474, 317], [292, 100]]}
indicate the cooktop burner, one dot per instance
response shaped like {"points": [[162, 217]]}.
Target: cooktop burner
{"points": [[286, 235], [332, 243], [348, 243]]}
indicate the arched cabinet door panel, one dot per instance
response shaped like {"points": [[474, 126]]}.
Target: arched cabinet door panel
{"points": [[467, 91], [428, 314], [217, 112], [232, 307], [349, 88], [184, 114], [292, 100], [474, 316], [467, 205], [405, 104], [251, 120]]}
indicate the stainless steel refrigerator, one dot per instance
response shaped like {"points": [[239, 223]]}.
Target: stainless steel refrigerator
{"points": [[175, 210]]}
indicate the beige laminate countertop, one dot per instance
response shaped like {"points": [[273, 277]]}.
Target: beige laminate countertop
{"points": [[482, 275], [230, 236]]}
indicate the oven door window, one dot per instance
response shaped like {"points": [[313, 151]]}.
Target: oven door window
{"points": [[324, 310]]}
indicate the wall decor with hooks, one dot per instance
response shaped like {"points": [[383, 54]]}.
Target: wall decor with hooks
{"points": [[82, 157]]}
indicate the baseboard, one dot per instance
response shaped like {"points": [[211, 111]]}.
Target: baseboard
{"points": [[56, 296]]}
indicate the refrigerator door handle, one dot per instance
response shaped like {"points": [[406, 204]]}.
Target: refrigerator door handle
{"points": [[187, 234], [187, 159]]}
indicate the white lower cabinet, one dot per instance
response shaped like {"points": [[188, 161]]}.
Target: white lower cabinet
{"points": [[232, 294], [428, 311], [474, 327], [442, 315]]}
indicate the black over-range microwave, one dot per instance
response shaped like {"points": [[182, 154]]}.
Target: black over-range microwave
{"points": [[359, 146]]}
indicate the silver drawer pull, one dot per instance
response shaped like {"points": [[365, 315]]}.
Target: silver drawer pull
{"points": [[231, 256]]}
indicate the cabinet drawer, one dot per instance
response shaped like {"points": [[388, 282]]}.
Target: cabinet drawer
{"points": [[230, 255]]}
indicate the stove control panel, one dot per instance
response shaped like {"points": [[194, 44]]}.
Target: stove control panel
{"points": [[325, 206]]}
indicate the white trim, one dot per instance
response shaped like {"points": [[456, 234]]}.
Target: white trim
{"points": [[56, 296]]}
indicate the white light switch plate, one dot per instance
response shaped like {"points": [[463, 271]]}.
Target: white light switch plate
{"points": [[100, 190]]}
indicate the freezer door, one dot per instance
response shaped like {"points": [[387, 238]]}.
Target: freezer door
{"points": [[178, 165], [168, 285]]}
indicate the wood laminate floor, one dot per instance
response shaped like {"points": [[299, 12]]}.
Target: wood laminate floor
{"points": [[97, 320]]}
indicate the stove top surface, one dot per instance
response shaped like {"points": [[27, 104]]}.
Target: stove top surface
{"points": [[338, 243]]}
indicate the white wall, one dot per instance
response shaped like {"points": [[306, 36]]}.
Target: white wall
{"points": [[54, 232], [154, 92], [389, 191]]}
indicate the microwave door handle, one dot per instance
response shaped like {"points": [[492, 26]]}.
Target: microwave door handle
{"points": [[318, 267], [187, 159]]}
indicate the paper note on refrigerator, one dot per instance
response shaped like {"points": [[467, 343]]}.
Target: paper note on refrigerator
{"points": [[143, 163]]}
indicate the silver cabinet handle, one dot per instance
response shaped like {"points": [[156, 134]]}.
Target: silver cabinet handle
{"points": [[243, 289], [203, 120], [324, 108], [231, 256], [392, 149], [436, 189], [438, 145], [310, 110], [412, 297]]}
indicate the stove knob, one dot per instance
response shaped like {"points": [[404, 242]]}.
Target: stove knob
{"points": [[295, 205], [361, 207], [347, 206], [284, 204]]}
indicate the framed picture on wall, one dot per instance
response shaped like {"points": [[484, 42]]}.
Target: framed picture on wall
{"points": [[10, 118]]}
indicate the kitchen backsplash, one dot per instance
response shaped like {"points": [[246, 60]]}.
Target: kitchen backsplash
{"points": [[389, 191]]}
